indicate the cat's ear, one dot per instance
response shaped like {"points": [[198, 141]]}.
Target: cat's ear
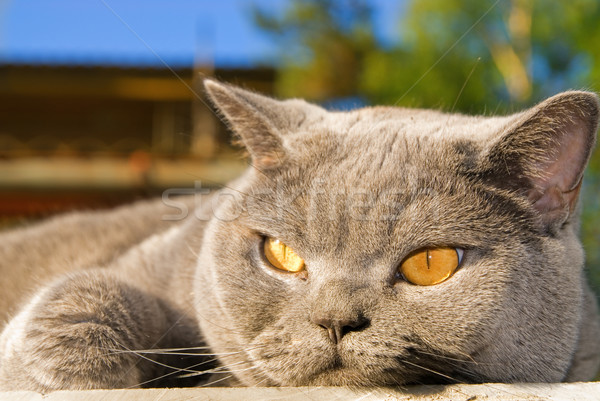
{"points": [[260, 121], [544, 151]]}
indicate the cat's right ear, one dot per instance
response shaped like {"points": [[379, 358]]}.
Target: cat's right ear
{"points": [[260, 121], [543, 152]]}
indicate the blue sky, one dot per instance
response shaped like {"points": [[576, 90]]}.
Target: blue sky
{"points": [[144, 32]]}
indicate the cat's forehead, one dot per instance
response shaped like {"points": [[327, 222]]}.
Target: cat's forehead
{"points": [[383, 143], [373, 122], [375, 169]]}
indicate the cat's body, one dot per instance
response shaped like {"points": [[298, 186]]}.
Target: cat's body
{"points": [[355, 195]]}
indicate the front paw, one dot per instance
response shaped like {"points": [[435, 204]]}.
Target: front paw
{"points": [[77, 334]]}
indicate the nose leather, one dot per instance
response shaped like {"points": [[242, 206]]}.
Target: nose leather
{"points": [[338, 328]]}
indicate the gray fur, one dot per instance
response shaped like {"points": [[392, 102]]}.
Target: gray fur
{"points": [[353, 193]]}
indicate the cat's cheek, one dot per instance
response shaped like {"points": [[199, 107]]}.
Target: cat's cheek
{"points": [[289, 353], [442, 314], [247, 289]]}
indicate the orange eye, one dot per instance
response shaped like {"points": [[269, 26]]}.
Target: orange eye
{"points": [[431, 266], [282, 257]]}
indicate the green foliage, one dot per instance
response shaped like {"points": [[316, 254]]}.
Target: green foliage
{"points": [[473, 56], [323, 45]]}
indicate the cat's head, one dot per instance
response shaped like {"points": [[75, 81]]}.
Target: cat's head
{"points": [[392, 246]]}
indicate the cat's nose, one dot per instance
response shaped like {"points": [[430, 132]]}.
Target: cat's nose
{"points": [[338, 328]]}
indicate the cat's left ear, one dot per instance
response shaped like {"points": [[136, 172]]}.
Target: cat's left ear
{"points": [[260, 121], [544, 151]]}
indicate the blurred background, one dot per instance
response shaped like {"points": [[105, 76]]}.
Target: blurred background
{"points": [[101, 100]]}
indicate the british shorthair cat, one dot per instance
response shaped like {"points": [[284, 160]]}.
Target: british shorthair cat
{"points": [[376, 247]]}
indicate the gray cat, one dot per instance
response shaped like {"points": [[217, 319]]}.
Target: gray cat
{"points": [[377, 247]]}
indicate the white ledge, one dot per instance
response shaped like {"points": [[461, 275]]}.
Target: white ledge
{"points": [[460, 392]]}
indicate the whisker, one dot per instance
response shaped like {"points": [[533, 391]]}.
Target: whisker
{"points": [[448, 50], [216, 370], [174, 372], [157, 362], [216, 381], [464, 85], [173, 349], [278, 158], [448, 357], [432, 371], [189, 247], [168, 352], [265, 378], [260, 171], [163, 62], [219, 370]]}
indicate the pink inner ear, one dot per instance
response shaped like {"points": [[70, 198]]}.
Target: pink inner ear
{"points": [[557, 187], [566, 167]]}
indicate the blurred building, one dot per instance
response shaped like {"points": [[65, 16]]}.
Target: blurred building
{"points": [[111, 110], [77, 135]]}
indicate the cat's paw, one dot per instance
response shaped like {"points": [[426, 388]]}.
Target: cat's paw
{"points": [[76, 334]]}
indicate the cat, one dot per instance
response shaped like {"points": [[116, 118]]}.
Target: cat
{"points": [[377, 247]]}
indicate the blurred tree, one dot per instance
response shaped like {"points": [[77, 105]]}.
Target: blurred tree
{"points": [[514, 52], [473, 56], [324, 44]]}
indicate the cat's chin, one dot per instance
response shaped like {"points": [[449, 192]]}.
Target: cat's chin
{"points": [[338, 375], [351, 377], [341, 376]]}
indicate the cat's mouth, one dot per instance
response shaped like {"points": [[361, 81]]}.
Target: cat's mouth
{"points": [[333, 368], [323, 367], [338, 376], [358, 376]]}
